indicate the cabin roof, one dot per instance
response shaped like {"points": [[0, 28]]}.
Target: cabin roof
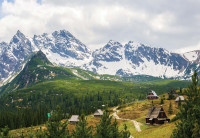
{"points": [[98, 112], [180, 98], [154, 94], [153, 112], [74, 118]]}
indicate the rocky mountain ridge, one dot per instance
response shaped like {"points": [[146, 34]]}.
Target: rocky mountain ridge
{"points": [[63, 49]]}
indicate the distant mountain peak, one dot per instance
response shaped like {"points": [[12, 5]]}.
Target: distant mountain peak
{"points": [[40, 59], [19, 33], [17, 37], [62, 33], [134, 43], [112, 42]]}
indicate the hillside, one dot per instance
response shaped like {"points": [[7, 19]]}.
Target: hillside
{"points": [[39, 69], [40, 87], [138, 110], [134, 111]]}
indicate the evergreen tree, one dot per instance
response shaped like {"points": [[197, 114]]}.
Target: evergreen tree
{"points": [[181, 91], [179, 102], [104, 128], [55, 128], [107, 129], [171, 96], [189, 112], [125, 132], [170, 110], [161, 101], [196, 130], [115, 132], [81, 130], [4, 132]]}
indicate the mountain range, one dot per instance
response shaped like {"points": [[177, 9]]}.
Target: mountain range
{"points": [[63, 49]]}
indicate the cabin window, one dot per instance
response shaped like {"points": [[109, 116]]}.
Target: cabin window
{"points": [[162, 114]]}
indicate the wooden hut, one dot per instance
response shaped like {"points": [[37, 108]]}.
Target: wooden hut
{"points": [[180, 98], [98, 113], [152, 95], [156, 115], [74, 119]]}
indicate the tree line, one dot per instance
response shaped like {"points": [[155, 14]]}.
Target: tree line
{"points": [[33, 109], [106, 128]]}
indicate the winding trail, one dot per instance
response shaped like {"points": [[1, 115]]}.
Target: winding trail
{"points": [[136, 124]]}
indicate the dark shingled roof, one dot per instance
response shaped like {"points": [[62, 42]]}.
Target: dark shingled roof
{"points": [[153, 112]]}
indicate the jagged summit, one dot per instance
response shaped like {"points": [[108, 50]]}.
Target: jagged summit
{"points": [[63, 33], [63, 49], [112, 43], [18, 37], [19, 33]]}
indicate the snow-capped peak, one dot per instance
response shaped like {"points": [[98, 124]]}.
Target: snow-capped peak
{"points": [[192, 55], [63, 49]]}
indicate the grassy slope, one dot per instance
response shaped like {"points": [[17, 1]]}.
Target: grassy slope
{"points": [[148, 131], [138, 111]]}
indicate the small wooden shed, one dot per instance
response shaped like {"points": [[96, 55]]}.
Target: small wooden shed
{"points": [[74, 119], [156, 115], [180, 98], [98, 113], [152, 95]]}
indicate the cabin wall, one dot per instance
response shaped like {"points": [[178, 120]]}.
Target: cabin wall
{"points": [[73, 122], [162, 115]]}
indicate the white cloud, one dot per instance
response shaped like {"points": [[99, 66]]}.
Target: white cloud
{"points": [[96, 22]]}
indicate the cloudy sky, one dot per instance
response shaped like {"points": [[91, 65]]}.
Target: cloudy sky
{"points": [[171, 24]]}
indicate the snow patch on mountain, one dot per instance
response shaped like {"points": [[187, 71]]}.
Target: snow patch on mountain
{"points": [[63, 49], [191, 56]]}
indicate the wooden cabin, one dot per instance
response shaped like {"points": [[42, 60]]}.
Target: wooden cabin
{"points": [[156, 115], [152, 95], [98, 113], [74, 119], [180, 98]]}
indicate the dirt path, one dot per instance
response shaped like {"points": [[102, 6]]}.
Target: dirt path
{"points": [[136, 124]]}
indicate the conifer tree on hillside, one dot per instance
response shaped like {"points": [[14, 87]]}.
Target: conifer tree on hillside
{"points": [[125, 132], [115, 132], [170, 110], [181, 91], [105, 126], [161, 101], [81, 130], [196, 130], [189, 112], [179, 102], [4, 132], [56, 128], [107, 129]]}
